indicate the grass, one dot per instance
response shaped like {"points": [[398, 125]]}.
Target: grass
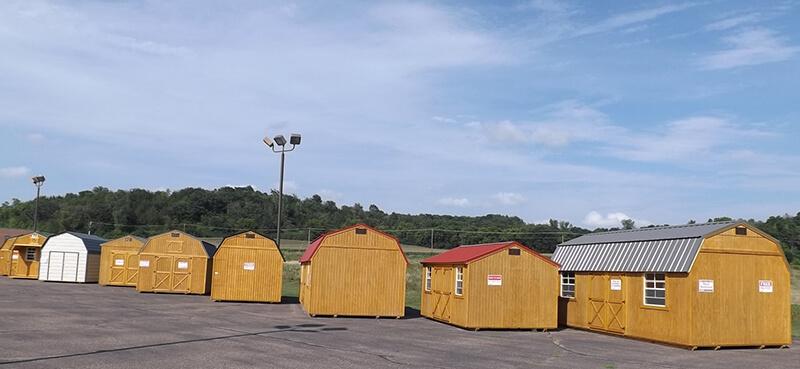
{"points": [[796, 321]]}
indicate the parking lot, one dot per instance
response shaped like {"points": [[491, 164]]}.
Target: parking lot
{"points": [[53, 325]]}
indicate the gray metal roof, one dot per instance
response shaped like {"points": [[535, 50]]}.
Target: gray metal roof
{"points": [[658, 249]]}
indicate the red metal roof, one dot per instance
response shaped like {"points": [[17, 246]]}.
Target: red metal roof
{"points": [[314, 246], [469, 253]]}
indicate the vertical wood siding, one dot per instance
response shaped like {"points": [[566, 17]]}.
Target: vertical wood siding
{"points": [[165, 255], [355, 275], [231, 281], [21, 268], [125, 249]]}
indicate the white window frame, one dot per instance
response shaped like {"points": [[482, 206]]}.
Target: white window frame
{"points": [[656, 280], [459, 279], [566, 278], [30, 254], [428, 279]]}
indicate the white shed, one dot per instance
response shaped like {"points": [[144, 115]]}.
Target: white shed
{"points": [[71, 257]]}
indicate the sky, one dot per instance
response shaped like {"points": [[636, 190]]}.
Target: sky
{"points": [[589, 112]]}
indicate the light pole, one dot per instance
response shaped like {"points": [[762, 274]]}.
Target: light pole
{"points": [[279, 140], [38, 181]]}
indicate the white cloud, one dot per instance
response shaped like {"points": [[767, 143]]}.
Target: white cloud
{"points": [[750, 47], [633, 17], [14, 172], [330, 195], [509, 198], [451, 201], [596, 220], [732, 22]]}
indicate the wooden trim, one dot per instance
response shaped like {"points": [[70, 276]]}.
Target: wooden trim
{"points": [[739, 252]]}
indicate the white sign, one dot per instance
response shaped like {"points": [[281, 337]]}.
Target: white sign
{"points": [[119, 262], [765, 286], [183, 265], [144, 263], [705, 285], [249, 266], [494, 280], [616, 285]]}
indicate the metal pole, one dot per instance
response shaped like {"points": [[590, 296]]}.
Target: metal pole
{"points": [[36, 209], [280, 200], [431, 238], [309, 235]]}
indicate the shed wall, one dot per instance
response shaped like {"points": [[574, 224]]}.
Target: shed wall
{"points": [[247, 269], [126, 273]]}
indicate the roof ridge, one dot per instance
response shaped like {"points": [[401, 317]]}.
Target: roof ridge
{"points": [[645, 229]]}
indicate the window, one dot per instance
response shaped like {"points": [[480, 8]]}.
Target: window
{"points": [[427, 278], [514, 252], [459, 281], [30, 254], [655, 289], [741, 231], [568, 284]]}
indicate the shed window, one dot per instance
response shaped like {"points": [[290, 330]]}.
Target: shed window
{"points": [[514, 252], [655, 289], [427, 278], [741, 231], [459, 281], [361, 231], [568, 284], [30, 254]]}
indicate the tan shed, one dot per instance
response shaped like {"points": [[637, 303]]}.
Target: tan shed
{"points": [[247, 267], [175, 262], [119, 261], [702, 285], [502, 285], [355, 271], [21, 255]]}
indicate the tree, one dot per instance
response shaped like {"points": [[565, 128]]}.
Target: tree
{"points": [[628, 224]]}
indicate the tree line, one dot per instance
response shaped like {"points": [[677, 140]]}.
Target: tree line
{"points": [[226, 210]]}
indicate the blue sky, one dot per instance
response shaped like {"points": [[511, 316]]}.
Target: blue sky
{"points": [[582, 111]]}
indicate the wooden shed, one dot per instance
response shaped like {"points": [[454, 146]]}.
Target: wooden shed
{"points": [[247, 267], [19, 257], [71, 257], [502, 285], [355, 271], [119, 261], [705, 285], [175, 262]]}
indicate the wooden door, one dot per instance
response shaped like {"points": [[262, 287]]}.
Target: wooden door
{"points": [[162, 273], [118, 269], [131, 269], [442, 292], [607, 303], [182, 274], [14, 262]]}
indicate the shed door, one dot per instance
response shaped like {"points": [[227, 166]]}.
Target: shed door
{"points": [[132, 269], [607, 303], [162, 273], [118, 268], [63, 266], [182, 274], [442, 291]]}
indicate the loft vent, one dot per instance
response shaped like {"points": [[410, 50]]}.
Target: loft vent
{"points": [[128, 239], [515, 252], [741, 231], [175, 234], [361, 231], [250, 235]]}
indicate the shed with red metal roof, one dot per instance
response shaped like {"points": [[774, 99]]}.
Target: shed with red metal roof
{"points": [[504, 285], [355, 271]]}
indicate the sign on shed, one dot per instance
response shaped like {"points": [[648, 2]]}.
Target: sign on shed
{"points": [[705, 285], [494, 280], [765, 286]]}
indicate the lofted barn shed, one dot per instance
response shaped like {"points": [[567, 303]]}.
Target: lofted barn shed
{"points": [[71, 257], [704, 285], [247, 267], [355, 271], [175, 262], [502, 285], [19, 256], [119, 261]]}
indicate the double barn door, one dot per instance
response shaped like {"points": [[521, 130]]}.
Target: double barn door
{"points": [[442, 285], [124, 269], [62, 266], [172, 274], [607, 303]]}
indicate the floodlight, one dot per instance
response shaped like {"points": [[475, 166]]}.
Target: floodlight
{"points": [[38, 180], [280, 140], [294, 139], [268, 141]]}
